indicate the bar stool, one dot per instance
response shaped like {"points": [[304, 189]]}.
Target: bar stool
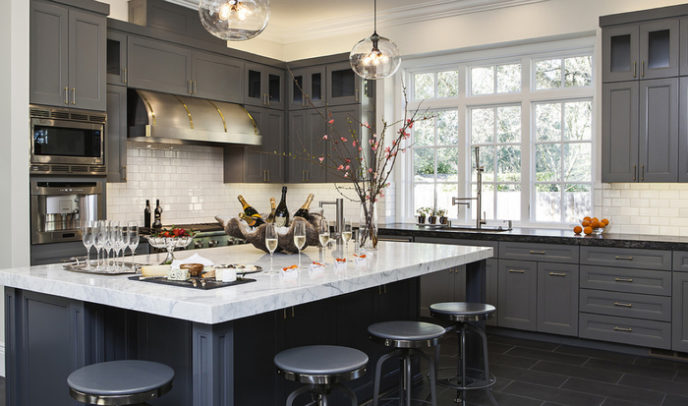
{"points": [[323, 368], [118, 383], [408, 338], [463, 314]]}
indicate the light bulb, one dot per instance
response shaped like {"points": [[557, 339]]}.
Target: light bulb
{"points": [[225, 11], [234, 20]]}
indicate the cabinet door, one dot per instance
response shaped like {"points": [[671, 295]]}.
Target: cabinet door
{"points": [[683, 129], [557, 298], [659, 130], [296, 85], [679, 323], [87, 58], [116, 135], [492, 289], [683, 46], [436, 287], [254, 93], [342, 84], [346, 119], [265, 163], [315, 126], [296, 143], [116, 58], [254, 159], [620, 132], [620, 53], [307, 87], [264, 86], [48, 50], [215, 77], [274, 87], [158, 65], [659, 49], [518, 294]]}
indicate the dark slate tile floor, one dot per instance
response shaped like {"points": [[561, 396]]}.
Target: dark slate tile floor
{"points": [[533, 373]]}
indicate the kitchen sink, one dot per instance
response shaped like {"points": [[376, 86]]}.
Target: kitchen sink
{"points": [[486, 229]]}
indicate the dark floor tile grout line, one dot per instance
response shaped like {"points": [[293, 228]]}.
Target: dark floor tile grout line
{"points": [[618, 381], [665, 398], [564, 383]]}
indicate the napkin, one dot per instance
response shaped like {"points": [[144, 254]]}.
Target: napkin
{"points": [[194, 259]]}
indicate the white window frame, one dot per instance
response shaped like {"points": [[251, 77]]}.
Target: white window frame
{"points": [[525, 54]]}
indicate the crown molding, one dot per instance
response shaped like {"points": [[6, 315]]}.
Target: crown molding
{"points": [[284, 33]]}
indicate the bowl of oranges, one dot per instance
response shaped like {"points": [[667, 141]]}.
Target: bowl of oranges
{"points": [[591, 226]]}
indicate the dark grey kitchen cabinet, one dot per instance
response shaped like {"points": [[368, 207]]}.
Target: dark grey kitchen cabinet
{"points": [[557, 298], [306, 146], [620, 53], [216, 77], [683, 129], [518, 294], [264, 86], [442, 286], [346, 119], [68, 54], [620, 136], [679, 323], [158, 65], [116, 134], [265, 164], [659, 130], [306, 87], [683, 46], [343, 85], [116, 58]]}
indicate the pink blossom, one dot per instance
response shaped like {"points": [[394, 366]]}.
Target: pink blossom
{"points": [[346, 175], [374, 135], [347, 167], [343, 139], [340, 167], [321, 159], [347, 160], [360, 149], [331, 121], [409, 122], [325, 137], [353, 143], [370, 170]]}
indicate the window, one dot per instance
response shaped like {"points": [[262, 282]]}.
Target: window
{"points": [[530, 117]]}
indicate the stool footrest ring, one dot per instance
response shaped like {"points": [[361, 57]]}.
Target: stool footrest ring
{"points": [[476, 384]]}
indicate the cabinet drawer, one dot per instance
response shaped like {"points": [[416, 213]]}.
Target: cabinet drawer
{"points": [[456, 241], [655, 334], [626, 280], [625, 304], [680, 262], [539, 252], [626, 257]]}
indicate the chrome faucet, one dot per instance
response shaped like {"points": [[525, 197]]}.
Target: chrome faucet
{"points": [[339, 220], [479, 196]]}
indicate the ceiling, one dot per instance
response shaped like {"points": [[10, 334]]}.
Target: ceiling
{"points": [[297, 20]]}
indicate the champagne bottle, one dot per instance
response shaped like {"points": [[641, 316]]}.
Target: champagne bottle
{"points": [[282, 213], [252, 221], [147, 215], [249, 210], [273, 209], [157, 224], [303, 211]]}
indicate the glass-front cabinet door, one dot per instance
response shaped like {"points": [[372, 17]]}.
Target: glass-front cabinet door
{"points": [[307, 87], [659, 49], [264, 86], [343, 85], [620, 53], [116, 58]]}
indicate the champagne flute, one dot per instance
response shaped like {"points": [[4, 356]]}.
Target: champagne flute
{"points": [[99, 240], [347, 233], [133, 231], [271, 240], [299, 237], [324, 233], [123, 246], [88, 238]]}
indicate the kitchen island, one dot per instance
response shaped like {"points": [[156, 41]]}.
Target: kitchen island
{"points": [[220, 342]]}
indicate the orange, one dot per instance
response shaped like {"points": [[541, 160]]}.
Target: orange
{"points": [[602, 224], [605, 222], [587, 230], [594, 219], [577, 229], [587, 218], [585, 223], [595, 224]]}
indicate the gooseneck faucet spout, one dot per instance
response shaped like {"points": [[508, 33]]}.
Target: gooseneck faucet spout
{"points": [[479, 195]]}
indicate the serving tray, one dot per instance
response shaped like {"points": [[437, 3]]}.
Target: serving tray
{"points": [[82, 267], [209, 284]]}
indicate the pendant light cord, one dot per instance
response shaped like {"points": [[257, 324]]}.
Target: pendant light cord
{"points": [[375, 16]]}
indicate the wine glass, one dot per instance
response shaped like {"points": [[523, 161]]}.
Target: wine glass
{"points": [[271, 240], [114, 243], [133, 231], [124, 243], [88, 238], [324, 233], [300, 237], [347, 233], [99, 234]]}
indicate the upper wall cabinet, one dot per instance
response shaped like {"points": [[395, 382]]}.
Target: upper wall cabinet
{"points": [[648, 50], [306, 87], [343, 85], [264, 86], [620, 132], [116, 58], [68, 51], [215, 77]]}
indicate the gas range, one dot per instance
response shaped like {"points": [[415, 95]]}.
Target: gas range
{"points": [[206, 235]]}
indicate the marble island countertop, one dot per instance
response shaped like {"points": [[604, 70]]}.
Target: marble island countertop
{"points": [[393, 261]]}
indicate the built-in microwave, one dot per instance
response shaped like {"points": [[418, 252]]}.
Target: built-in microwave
{"points": [[67, 141]]}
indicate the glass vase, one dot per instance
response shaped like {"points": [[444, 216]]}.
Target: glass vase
{"points": [[367, 229]]}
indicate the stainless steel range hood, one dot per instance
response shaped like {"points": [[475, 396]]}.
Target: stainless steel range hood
{"points": [[164, 118]]}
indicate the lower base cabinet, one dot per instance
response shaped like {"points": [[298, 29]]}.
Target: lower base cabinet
{"points": [[518, 294], [557, 298], [679, 322]]}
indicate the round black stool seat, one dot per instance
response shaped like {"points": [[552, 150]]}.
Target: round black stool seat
{"points": [[321, 364], [120, 382], [461, 311], [406, 334]]}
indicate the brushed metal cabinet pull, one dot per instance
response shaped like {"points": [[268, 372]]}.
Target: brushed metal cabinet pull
{"points": [[123, 173], [558, 274], [623, 279], [635, 69], [517, 271], [635, 173], [66, 89], [642, 69], [624, 258], [356, 95], [624, 329], [124, 75], [267, 175], [74, 95], [284, 313], [533, 252], [293, 313], [618, 304]]}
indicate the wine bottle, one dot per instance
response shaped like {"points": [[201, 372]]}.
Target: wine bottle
{"points": [[303, 211], [158, 215], [249, 210], [147, 215], [252, 221], [282, 213], [273, 209]]}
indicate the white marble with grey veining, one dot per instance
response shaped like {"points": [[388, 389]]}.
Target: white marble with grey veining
{"points": [[393, 261]]}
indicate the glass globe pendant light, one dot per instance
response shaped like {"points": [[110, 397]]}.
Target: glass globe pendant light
{"points": [[234, 20], [375, 57]]}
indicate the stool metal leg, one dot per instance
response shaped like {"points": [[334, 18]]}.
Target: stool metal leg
{"points": [[433, 377], [378, 373], [408, 375], [296, 393]]}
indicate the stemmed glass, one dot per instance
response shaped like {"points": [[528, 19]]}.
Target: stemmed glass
{"points": [[347, 233], [114, 243], [124, 242], [271, 240], [324, 233], [88, 238], [133, 231], [299, 237], [100, 236]]}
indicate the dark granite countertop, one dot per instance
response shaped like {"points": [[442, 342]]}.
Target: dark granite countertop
{"points": [[543, 236]]}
